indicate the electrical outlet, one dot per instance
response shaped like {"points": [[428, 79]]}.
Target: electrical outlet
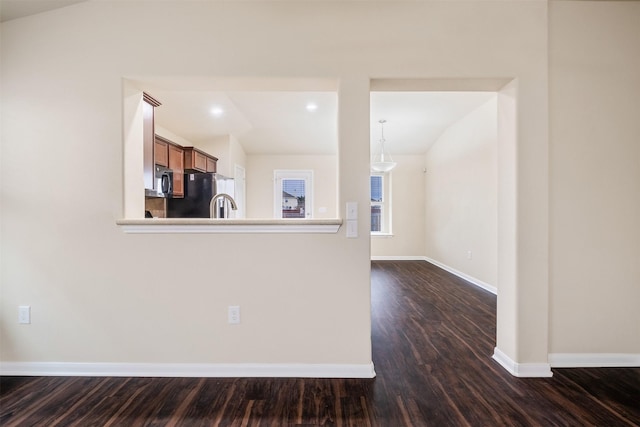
{"points": [[469, 255], [234, 314], [24, 314]]}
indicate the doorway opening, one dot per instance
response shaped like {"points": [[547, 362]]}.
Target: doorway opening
{"points": [[454, 190], [293, 194]]}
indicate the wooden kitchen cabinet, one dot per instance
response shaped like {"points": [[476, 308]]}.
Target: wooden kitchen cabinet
{"points": [[176, 163], [161, 152], [212, 163], [199, 161], [181, 160], [171, 155]]}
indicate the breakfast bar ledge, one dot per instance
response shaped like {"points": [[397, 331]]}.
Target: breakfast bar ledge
{"points": [[206, 225]]}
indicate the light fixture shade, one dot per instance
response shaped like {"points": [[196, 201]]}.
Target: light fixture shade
{"points": [[382, 166], [382, 161]]}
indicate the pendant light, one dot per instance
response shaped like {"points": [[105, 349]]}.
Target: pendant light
{"points": [[381, 160]]}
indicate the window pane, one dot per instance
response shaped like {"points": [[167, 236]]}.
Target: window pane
{"points": [[376, 188], [293, 198], [376, 218]]}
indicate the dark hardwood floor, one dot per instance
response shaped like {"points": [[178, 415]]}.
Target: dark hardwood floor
{"points": [[433, 337]]}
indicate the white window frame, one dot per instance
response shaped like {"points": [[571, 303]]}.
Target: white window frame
{"points": [[283, 174], [385, 204]]}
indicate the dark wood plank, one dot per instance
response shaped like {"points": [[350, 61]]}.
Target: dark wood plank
{"points": [[433, 335]]}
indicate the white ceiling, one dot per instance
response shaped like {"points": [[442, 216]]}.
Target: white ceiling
{"points": [[13, 9], [270, 122], [277, 122], [415, 120]]}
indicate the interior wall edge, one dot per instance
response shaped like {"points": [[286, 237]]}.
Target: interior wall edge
{"points": [[522, 370]]}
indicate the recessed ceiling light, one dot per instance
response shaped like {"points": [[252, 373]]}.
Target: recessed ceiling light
{"points": [[217, 111], [312, 107]]}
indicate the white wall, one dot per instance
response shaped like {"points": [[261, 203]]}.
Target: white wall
{"points": [[173, 137], [260, 186], [408, 204], [461, 213], [219, 147], [595, 171], [508, 210], [62, 110], [228, 151]]}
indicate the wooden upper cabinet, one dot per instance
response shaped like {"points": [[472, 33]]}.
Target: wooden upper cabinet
{"points": [[176, 163], [198, 161], [212, 163], [161, 152], [171, 155], [181, 160]]}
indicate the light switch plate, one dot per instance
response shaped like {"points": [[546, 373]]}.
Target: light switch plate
{"points": [[234, 314], [24, 314], [352, 228], [352, 210]]}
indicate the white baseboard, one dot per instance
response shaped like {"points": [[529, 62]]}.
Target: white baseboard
{"points": [[522, 370], [187, 370], [397, 258], [594, 360], [472, 280]]}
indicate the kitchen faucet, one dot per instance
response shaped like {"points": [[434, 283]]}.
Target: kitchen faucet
{"points": [[213, 212]]}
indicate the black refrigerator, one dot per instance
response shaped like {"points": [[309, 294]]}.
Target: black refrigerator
{"points": [[198, 192], [199, 189]]}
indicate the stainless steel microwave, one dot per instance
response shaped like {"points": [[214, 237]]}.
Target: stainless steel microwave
{"points": [[162, 183]]}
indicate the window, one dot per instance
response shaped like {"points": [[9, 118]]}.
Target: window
{"points": [[380, 203], [293, 196]]}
